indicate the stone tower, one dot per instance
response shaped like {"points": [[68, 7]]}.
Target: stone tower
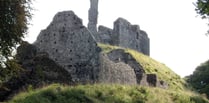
{"points": [[93, 15]]}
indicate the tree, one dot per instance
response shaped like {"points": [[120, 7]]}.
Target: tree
{"points": [[199, 80], [14, 17], [202, 8]]}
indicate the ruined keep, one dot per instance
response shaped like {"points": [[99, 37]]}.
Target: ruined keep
{"points": [[74, 47], [124, 34], [68, 52]]}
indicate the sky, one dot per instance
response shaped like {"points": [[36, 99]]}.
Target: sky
{"points": [[176, 32]]}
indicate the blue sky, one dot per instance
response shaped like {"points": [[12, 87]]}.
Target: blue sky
{"points": [[176, 32]]}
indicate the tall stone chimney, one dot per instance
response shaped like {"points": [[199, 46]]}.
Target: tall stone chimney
{"points": [[93, 15]]}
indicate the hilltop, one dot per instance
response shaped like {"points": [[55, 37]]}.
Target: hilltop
{"points": [[176, 92], [117, 93]]}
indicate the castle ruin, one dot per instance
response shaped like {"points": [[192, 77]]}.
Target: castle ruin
{"points": [[124, 34], [74, 47], [68, 52]]}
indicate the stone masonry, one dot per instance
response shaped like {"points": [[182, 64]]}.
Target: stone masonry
{"points": [[67, 52], [93, 15], [71, 45], [124, 34], [112, 72], [74, 47], [130, 36], [118, 66]]}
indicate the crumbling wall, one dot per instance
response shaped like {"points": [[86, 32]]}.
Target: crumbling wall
{"points": [[119, 55], [105, 35], [119, 73], [71, 45], [126, 35], [93, 15], [117, 66], [130, 36], [145, 43]]}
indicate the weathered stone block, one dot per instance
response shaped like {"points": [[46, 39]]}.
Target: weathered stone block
{"points": [[119, 56], [119, 73]]}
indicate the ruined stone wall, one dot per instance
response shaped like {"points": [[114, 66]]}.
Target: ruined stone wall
{"points": [[123, 34], [145, 43], [127, 34], [119, 56], [130, 36], [105, 35], [66, 42], [117, 66], [119, 73], [93, 15], [71, 45]]}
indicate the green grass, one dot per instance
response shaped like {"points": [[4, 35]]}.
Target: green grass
{"points": [[103, 93], [152, 66]]}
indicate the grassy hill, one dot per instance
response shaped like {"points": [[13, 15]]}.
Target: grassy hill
{"points": [[109, 93], [102, 93]]}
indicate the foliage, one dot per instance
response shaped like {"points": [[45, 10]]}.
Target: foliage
{"points": [[13, 24], [202, 8], [152, 66], [14, 17], [13, 69], [100, 93], [199, 80]]}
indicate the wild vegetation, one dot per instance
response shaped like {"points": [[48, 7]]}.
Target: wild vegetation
{"points": [[199, 80], [103, 93], [14, 20], [202, 8]]}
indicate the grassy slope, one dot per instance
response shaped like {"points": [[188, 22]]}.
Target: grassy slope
{"points": [[152, 66], [103, 93]]}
